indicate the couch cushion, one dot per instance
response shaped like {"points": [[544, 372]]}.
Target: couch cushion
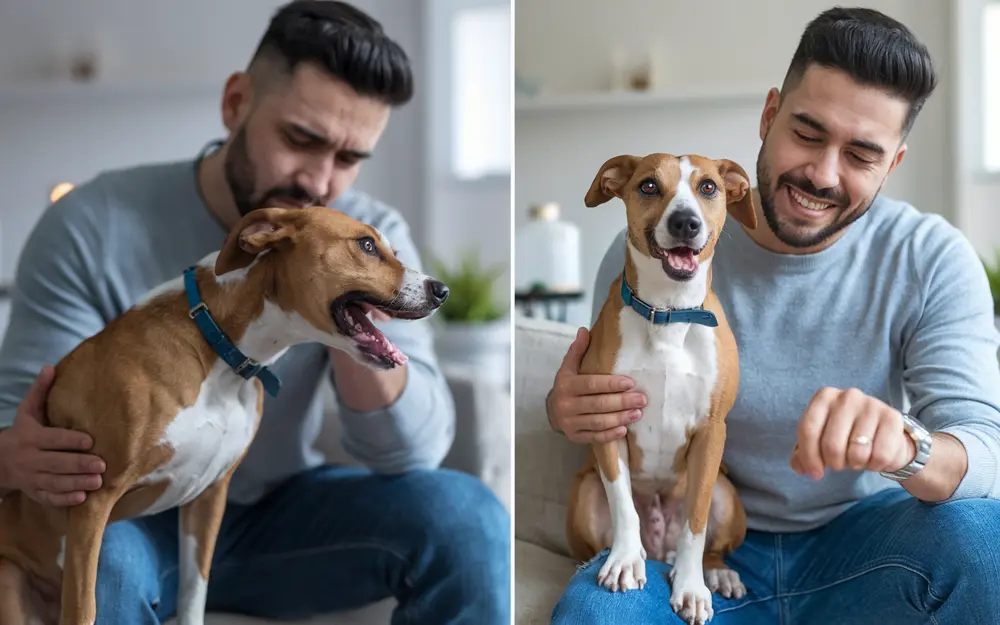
{"points": [[545, 461], [541, 577]]}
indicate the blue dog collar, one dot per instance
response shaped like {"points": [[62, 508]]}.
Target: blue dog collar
{"points": [[238, 361], [667, 315]]}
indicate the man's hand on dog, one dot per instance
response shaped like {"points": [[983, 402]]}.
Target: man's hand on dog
{"points": [[591, 408], [44, 462], [846, 429]]}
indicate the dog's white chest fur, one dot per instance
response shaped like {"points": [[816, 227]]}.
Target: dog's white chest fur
{"points": [[675, 365], [207, 437]]}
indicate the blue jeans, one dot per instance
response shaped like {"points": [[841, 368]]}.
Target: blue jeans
{"points": [[327, 540], [888, 560]]}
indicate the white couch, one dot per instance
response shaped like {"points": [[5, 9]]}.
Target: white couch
{"points": [[482, 448], [545, 463]]}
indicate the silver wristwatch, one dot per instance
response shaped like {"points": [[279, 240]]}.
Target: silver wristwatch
{"points": [[922, 439]]}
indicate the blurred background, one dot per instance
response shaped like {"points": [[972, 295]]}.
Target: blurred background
{"points": [[87, 86], [693, 77]]}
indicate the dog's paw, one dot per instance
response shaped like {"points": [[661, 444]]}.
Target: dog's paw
{"points": [[625, 569], [691, 599], [726, 582]]}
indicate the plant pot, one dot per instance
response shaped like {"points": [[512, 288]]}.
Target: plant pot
{"points": [[483, 347]]}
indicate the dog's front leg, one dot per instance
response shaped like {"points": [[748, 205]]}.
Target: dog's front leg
{"points": [[690, 597], [199, 528], [625, 568], [84, 535]]}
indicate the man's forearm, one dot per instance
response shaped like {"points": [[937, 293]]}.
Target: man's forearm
{"points": [[363, 389], [944, 471]]}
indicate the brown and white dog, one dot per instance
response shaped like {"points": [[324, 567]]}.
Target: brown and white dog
{"points": [[171, 417], [659, 492]]}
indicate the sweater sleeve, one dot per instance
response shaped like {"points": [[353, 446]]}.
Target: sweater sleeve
{"points": [[417, 430], [53, 303], [951, 372]]}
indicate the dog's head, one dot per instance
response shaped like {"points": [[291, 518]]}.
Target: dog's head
{"points": [[330, 270], [676, 205]]}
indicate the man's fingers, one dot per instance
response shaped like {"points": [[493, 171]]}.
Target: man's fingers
{"points": [[810, 429], [33, 404], [865, 426], [61, 439], [60, 499], [574, 355], [610, 420], [603, 436], [841, 415], [607, 403], [68, 463], [61, 484], [597, 383]]}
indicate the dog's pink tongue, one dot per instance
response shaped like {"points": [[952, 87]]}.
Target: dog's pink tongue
{"points": [[682, 259], [369, 336]]}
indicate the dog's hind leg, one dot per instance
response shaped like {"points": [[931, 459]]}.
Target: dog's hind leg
{"points": [[20, 603], [84, 533], [726, 531]]}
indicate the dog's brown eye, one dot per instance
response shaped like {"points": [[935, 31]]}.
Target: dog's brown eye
{"points": [[648, 187], [708, 187], [368, 246]]}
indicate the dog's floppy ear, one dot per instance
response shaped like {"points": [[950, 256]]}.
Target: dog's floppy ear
{"points": [[739, 197], [259, 230], [608, 182]]}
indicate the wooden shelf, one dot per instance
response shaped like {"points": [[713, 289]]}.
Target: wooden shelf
{"points": [[608, 100], [59, 90]]}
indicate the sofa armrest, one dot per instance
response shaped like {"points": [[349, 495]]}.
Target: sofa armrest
{"points": [[482, 430], [482, 445]]}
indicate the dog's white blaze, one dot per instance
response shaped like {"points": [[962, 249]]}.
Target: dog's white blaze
{"points": [[192, 591], [684, 196], [674, 365], [626, 549]]}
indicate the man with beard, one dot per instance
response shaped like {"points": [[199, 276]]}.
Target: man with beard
{"points": [[841, 301], [298, 537]]}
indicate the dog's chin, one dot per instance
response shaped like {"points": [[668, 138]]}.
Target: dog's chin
{"points": [[361, 338]]}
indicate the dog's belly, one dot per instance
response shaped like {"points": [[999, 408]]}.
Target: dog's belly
{"points": [[675, 366], [207, 438]]}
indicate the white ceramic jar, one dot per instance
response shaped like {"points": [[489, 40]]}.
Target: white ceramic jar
{"points": [[548, 252]]}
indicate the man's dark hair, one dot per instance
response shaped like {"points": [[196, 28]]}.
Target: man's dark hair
{"points": [[343, 40], [873, 49]]}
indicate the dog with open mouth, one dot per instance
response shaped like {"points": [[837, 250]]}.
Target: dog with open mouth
{"points": [[660, 492], [172, 393]]}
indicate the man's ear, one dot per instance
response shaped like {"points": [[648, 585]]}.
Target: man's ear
{"points": [[259, 230], [610, 179], [739, 197]]}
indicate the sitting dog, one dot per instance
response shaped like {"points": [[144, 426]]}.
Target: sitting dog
{"points": [[172, 393], [664, 327]]}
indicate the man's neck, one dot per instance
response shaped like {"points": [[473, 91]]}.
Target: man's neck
{"points": [[214, 190]]}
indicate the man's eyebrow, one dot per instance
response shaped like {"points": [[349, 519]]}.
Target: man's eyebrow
{"points": [[317, 138], [864, 144]]}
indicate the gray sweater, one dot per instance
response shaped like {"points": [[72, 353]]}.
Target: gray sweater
{"points": [[899, 308], [98, 250]]}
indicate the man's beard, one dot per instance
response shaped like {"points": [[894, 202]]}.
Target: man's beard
{"points": [[240, 177], [837, 197]]}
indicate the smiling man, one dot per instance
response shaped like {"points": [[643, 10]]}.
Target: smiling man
{"points": [[865, 438], [299, 537]]}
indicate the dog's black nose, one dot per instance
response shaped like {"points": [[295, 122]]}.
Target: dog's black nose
{"points": [[438, 291], [684, 224]]}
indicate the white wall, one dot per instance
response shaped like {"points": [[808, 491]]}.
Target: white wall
{"points": [[54, 133], [566, 44]]}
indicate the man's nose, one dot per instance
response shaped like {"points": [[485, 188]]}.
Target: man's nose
{"points": [[824, 172]]}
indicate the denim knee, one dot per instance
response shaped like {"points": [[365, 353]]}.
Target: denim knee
{"points": [[457, 512], [962, 535], [128, 585]]}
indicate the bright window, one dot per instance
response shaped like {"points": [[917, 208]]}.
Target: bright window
{"points": [[481, 91], [991, 86]]}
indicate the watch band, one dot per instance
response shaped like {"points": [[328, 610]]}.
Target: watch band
{"points": [[922, 441]]}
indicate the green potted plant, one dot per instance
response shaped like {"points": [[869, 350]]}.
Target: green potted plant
{"points": [[993, 273], [473, 328]]}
